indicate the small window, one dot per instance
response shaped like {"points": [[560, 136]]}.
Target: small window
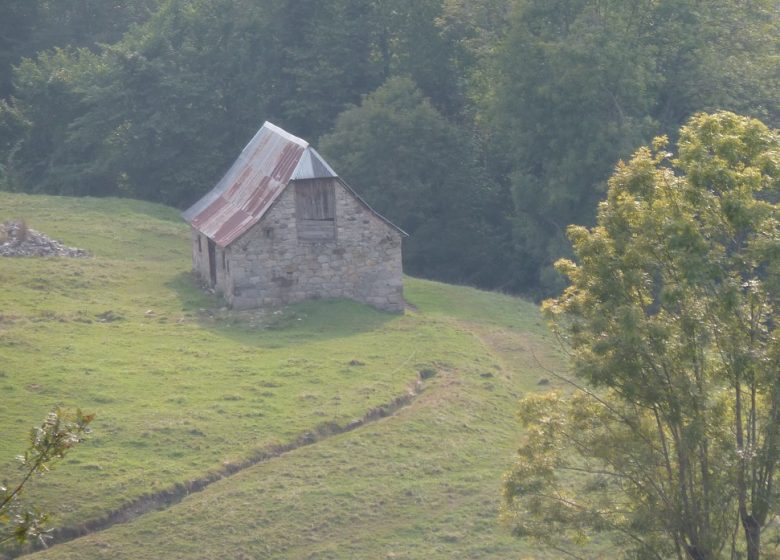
{"points": [[200, 249], [224, 261], [315, 207]]}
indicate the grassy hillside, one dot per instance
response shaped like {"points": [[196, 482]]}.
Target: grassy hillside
{"points": [[186, 391]]}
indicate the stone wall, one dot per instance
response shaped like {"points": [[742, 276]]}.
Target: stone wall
{"points": [[270, 266], [200, 261], [200, 257]]}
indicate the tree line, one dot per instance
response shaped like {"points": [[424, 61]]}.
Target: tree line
{"points": [[481, 127]]}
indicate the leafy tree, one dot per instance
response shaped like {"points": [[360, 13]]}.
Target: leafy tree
{"points": [[30, 26], [160, 114], [156, 116], [413, 166], [326, 60], [172, 103], [40, 156], [411, 42], [17, 21], [579, 84], [87, 23], [671, 440], [716, 55], [575, 88], [58, 433], [477, 28]]}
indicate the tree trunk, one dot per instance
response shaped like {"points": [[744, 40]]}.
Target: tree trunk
{"points": [[752, 537]]}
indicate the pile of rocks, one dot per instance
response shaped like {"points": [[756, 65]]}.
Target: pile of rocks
{"points": [[17, 240]]}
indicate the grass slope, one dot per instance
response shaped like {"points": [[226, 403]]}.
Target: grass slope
{"points": [[182, 387]]}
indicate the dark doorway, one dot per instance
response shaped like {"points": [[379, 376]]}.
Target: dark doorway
{"points": [[213, 262]]}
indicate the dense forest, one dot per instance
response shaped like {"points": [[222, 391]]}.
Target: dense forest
{"points": [[481, 127]]}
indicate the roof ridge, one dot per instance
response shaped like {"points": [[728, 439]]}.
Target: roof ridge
{"points": [[286, 135], [311, 165]]}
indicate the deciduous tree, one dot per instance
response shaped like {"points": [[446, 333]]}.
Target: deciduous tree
{"points": [[413, 166], [579, 84], [671, 439]]}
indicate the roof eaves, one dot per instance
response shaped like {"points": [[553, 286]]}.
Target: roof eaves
{"points": [[374, 212]]}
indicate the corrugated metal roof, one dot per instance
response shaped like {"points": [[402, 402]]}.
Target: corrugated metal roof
{"points": [[266, 165], [254, 181]]}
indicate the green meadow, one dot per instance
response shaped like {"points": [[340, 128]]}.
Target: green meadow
{"points": [[185, 390]]}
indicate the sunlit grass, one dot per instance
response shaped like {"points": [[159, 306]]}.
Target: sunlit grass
{"points": [[181, 387]]}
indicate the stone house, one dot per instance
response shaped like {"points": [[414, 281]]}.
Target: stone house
{"points": [[282, 227]]}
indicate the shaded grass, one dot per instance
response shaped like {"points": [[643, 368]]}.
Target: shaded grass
{"points": [[182, 387]]}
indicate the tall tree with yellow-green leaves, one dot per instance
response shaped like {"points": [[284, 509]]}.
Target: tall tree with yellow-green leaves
{"points": [[670, 441]]}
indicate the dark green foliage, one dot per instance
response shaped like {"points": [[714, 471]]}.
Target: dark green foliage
{"points": [[50, 97], [29, 26], [174, 103], [416, 168], [412, 44], [17, 19], [326, 60], [580, 84], [13, 128], [161, 113]]}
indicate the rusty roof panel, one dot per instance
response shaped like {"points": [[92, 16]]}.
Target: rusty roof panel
{"points": [[234, 223], [250, 187], [261, 172], [208, 212]]}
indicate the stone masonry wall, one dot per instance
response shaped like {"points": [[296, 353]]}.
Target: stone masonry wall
{"points": [[200, 256], [200, 261], [270, 266]]}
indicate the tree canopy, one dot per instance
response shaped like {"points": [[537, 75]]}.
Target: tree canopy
{"points": [[671, 439], [580, 84], [437, 195]]}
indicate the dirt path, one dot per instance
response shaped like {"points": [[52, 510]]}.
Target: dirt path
{"points": [[169, 497]]}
